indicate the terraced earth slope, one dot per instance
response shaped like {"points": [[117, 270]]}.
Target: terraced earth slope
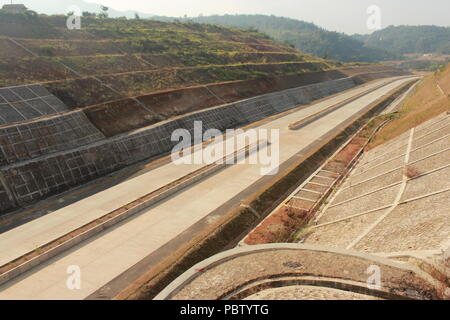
{"points": [[113, 58], [76, 105]]}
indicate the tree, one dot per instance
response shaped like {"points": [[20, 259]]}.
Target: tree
{"points": [[88, 14], [104, 14]]}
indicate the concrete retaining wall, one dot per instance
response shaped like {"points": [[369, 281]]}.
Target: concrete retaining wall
{"points": [[258, 108], [24, 103], [41, 177], [6, 203], [30, 140]]}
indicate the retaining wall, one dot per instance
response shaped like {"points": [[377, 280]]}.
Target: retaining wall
{"points": [[23, 103], [6, 203], [30, 140], [258, 108], [53, 173], [35, 179]]}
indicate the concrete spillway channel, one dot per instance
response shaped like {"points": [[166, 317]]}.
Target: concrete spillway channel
{"points": [[160, 236], [50, 250], [304, 122]]}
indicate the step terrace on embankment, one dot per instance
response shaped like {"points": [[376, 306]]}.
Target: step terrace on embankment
{"points": [[155, 226], [396, 199], [50, 156], [38, 168]]}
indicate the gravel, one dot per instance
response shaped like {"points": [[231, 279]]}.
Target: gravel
{"points": [[427, 184], [373, 201], [371, 185], [308, 293], [341, 234], [418, 225]]}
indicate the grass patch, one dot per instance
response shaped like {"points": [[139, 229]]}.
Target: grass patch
{"points": [[425, 103]]}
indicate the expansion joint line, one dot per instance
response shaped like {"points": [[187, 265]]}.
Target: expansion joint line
{"points": [[397, 199], [23, 47], [215, 95], [80, 75], [388, 145], [251, 210], [441, 119], [388, 206], [440, 88], [365, 170]]}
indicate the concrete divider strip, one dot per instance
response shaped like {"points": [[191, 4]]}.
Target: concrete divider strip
{"points": [[77, 239]]}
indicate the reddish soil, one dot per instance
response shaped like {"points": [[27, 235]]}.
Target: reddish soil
{"points": [[349, 152], [29, 70], [169, 103], [176, 102], [131, 114], [127, 115], [93, 92], [10, 50], [278, 226], [282, 224]]}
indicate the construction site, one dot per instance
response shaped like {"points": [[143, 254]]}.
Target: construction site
{"points": [[87, 119]]}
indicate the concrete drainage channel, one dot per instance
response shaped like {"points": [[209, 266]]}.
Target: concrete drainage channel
{"points": [[237, 221], [305, 201], [64, 243]]}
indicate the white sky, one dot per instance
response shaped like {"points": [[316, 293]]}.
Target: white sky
{"points": [[339, 15]]}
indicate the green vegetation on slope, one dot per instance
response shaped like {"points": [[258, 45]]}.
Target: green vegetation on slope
{"points": [[410, 39], [138, 56], [424, 65], [305, 36], [430, 98]]}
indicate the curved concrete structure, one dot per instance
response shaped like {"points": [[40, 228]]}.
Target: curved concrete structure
{"points": [[243, 272]]}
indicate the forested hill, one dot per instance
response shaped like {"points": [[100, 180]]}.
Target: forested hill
{"points": [[410, 39], [305, 36]]}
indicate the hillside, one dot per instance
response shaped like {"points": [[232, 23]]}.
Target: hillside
{"points": [[60, 7], [152, 70], [430, 98], [305, 36], [410, 39], [135, 57]]}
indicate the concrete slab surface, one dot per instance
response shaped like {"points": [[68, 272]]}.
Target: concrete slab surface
{"points": [[104, 257]]}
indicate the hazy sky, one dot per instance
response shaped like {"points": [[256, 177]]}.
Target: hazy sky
{"points": [[339, 15]]}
